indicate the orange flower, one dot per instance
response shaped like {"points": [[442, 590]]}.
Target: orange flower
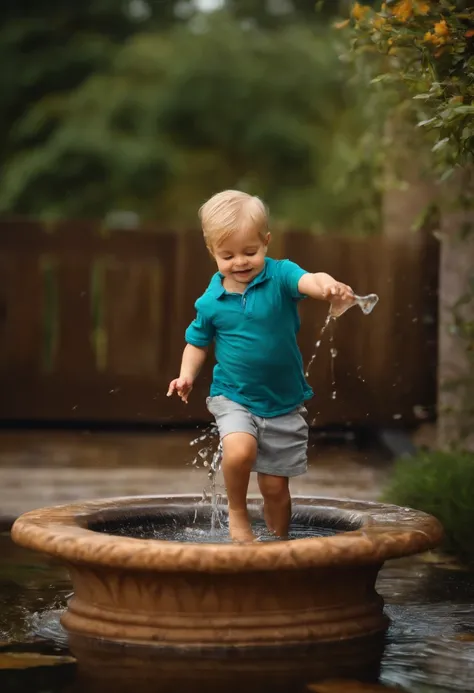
{"points": [[379, 22], [441, 28], [432, 38], [359, 11], [403, 10], [341, 25], [469, 33], [422, 7]]}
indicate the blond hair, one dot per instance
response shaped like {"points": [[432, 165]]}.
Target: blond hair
{"points": [[229, 211]]}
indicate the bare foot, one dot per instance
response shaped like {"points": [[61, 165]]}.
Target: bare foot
{"points": [[239, 527]]}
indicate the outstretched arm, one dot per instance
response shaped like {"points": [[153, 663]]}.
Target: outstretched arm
{"points": [[191, 364], [324, 287]]}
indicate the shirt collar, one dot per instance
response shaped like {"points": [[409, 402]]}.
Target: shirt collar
{"points": [[217, 287]]}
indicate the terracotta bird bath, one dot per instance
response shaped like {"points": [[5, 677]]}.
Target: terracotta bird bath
{"points": [[183, 612]]}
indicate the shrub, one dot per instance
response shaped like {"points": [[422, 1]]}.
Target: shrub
{"points": [[442, 484], [428, 57]]}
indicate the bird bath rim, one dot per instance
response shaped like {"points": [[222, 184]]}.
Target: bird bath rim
{"points": [[384, 532]]}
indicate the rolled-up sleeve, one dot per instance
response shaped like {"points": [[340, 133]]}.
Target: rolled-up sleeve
{"points": [[200, 332], [290, 274]]}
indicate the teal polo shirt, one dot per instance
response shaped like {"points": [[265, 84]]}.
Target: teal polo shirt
{"points": [[258, 362]]}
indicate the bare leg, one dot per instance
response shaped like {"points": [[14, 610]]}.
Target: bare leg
{"points": [[276, 503], [239, 454]]}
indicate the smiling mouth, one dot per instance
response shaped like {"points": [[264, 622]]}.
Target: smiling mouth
{"points": [[242, 271]]}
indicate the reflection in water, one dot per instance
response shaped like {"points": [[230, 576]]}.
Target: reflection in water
{"points": [[432, 615], [430, 643]]}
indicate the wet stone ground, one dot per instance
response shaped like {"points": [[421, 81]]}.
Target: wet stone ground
{"points": [[49, 468], [430, 601]]}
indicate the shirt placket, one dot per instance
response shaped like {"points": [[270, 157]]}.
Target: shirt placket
{"points": [[247, 300]]}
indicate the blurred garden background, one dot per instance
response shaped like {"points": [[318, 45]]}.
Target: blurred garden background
{"points": [[354, 122]]}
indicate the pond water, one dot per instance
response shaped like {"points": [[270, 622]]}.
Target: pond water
{"points": [[430, 644]]}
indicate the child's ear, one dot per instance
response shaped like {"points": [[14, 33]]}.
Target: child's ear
{"points": [[267, 240]]}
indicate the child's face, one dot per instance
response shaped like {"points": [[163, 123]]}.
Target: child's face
{"points": [[241, 256]]}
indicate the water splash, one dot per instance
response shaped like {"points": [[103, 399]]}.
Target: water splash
{"points": [[216, 516], [207, 436], [199, 533], [211, 458]]}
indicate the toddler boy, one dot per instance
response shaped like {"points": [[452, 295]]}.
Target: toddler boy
{"points": [[250, 311]]}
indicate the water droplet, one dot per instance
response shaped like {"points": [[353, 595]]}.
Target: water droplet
{"points": [[333, 394], [397, 416], [420, 412]]}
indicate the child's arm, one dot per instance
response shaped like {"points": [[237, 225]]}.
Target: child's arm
{"points": [[191, 364], [323, 286]]}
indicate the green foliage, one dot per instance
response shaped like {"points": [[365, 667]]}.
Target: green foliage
{"points": [[421, 53], [426, 54], [170, 117], [49, 47], [441, 484]]}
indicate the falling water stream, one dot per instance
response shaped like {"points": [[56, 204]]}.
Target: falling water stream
{"points": [[366, 304], [330, 319]]}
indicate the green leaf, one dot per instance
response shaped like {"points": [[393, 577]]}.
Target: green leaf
{"points": [[447, 114], [440, 144], [447, 174], [386, 77], [464, 110], [422, 123]]}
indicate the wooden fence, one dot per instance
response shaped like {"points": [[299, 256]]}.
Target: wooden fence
{"points": [[92, 324]]}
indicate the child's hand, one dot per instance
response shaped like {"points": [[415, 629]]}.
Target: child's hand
{"points": [[337, 291], [340, 296], [182, 386]]}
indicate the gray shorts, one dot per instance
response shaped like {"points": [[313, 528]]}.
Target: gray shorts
{"points": [[282, 440]]}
